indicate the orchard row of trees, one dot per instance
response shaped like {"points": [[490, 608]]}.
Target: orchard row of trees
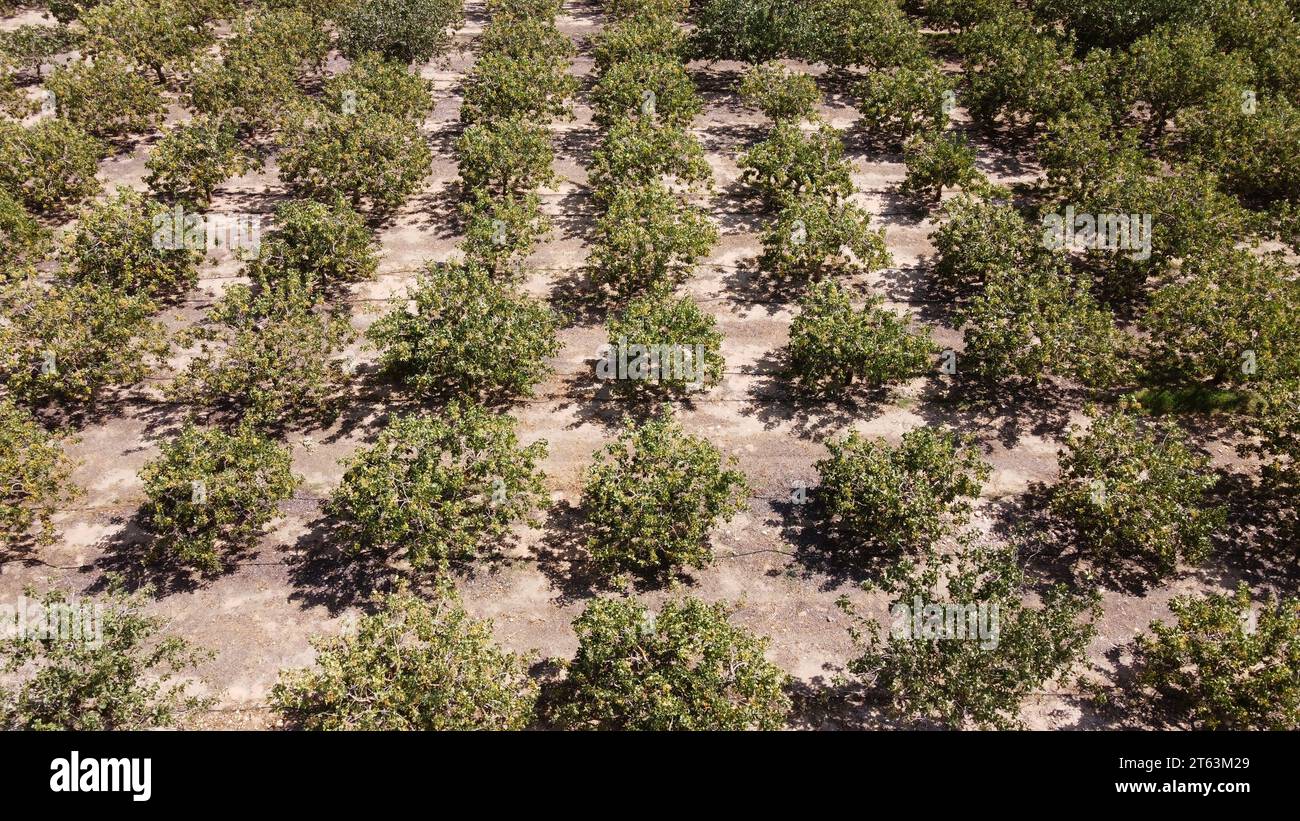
{"points": [[1134, 492], [646, 171]]}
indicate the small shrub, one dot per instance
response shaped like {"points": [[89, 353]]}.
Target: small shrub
{"points": [[67, 344], [638, 151], [277, 360], [468, 333], [648, 36], [328, 246], [1137, 493], [980, 240], [105, 97], [408, 31], [903, 498], [1224, 666], [832, 345], [897, 105], [134, 678], [506, 156], [413, 665], [192, 159], [1030, 323], [1229, 319], [49, 166], [648, 239], [966, 680], [158, 35], [792, 164], [23, 240], [255, 83], [211, 493], [535, 89], [652, 497], [372, 83], [656, 322], [646, 86], [685, 668], [372, 160], [938, 160], [438, 489], [34, 477], [812, 238], [500, 232], [779, 93], [115, 246]]}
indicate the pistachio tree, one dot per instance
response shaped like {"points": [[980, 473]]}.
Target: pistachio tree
{"points": [[686, 667], [433, 490]]}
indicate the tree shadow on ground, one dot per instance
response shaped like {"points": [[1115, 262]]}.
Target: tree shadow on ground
{"points": [[126, 555]]}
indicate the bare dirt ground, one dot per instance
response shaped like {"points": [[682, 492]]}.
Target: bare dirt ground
{"points": [[259, 617]]}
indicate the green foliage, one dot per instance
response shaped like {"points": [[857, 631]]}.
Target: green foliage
{"points": [[105, 97], [211, 493], [255, 84], [371, 159], [66, 11], [159, 35], [897, 104], [34, 477], [31, 46], [638, 151], [534, 88], [1038, 320], [500, 232], [403, 30], [372, 83], [192, 159], [792, 164], [467, 333], [966, 680], [274, 358], [647, 86], [903, 498], [832, 345], [437, 489], [648, 239], [134, 677], [652, 497], [656, 321], [323, 246], [1257, 153], [754, 31], [1137, 493], [620, 10], [872, 33], [685, 668], [413, 665], [525, 33], [810, 237], [648, 36], [1016, 72], [979, 240], [1175, 67], [780, 94], [67, 343], [1229, 319], [1225, 666], [505, 156], [115, 246], [936, 160], [49, 166], [23, 240]]}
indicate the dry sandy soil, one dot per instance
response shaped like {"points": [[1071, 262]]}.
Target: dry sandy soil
{"points": [[259, 616]]}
